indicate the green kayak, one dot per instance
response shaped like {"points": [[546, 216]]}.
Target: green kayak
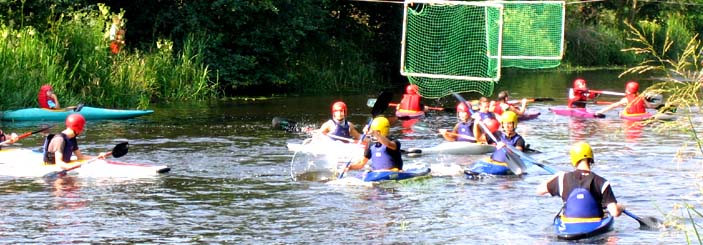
{"points": [[90, 113]]}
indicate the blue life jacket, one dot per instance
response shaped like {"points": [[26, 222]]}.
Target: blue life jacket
{"points": [[465, 128], [581, 204], [341, 129], [500, 155], [486, 115], [381, 159], [70, 145]]}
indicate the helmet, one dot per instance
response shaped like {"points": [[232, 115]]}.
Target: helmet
{"points": [[381, 124], [632, 87], [411, 89], [509, 116], [461, 107], [46, 87], [580, 84], [492, 124], [75, 122], [580, 151], [339, 106]]}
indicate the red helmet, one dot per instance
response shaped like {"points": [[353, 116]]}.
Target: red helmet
{"points": [[461, 107], [492, 124], [75, 122], [339, 106], [632, 87], [580, 84], [411, 89]]}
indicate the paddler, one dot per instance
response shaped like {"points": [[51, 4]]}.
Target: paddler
{"points": [[411, 102], [634, 104], [507, 136], [502, 104], [58, 149], [338, 128], [383, 152], [47, 98], [580, 94], [585, 194], [484, 114], [463, 130]]}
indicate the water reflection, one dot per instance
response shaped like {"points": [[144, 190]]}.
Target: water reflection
{"points": [[66, 192]]}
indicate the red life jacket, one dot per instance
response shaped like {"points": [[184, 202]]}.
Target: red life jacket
{"points": [[410, 102], [635, 104]]}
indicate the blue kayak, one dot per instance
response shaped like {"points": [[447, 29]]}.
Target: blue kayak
{"points": [[90, 113], [578, 228], [488, 166], [374, 176]]}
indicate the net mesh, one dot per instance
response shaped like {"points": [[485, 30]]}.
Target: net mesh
{"points": [[533, 34], [447, 45], [458, 46]]}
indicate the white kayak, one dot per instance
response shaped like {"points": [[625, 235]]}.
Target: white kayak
{"points": [[16, 162], [455, 148]]}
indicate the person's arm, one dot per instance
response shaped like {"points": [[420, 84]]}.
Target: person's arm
{"points": [[383, 140], [56, 100], [543, 188], [359, 164], [447, 136], [622, 102], [615, 209]]}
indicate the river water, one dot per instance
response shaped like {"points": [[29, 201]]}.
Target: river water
{"points": [[230, 180]]}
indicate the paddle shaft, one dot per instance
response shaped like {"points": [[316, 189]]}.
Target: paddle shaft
{"points": [[606, 92], [428, 107], [27, 134]]}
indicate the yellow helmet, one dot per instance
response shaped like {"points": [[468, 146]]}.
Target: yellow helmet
{"points": [[381, 124], [509, 116], [580, 151]]}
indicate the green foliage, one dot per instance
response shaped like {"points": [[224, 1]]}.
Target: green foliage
{"points": [[681, 83], [73, 56]]}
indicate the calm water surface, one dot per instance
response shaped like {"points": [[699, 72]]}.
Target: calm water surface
{"points": [[230, 180]]}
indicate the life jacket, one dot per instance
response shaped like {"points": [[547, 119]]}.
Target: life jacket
{"points": [[498, 110], [486, 115], [42, 98], [341, 129], [381, 159], [501, 154], [580, 203], [410, 102], [578, 98], [70, 145], [465, 128], [635, 104]]}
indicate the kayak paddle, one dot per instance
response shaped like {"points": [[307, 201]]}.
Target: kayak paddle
{"points": [[514, 163], [606, 92], [118, 151], [379, 106], [647, 223], [27, 134]]}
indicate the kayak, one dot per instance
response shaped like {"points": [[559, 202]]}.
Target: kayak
{"points": [[409, 114], [647, 115], [90, 113], [529, 115], [455, 148], [488, 166], [375, 176], [16, 162], [578, 228], [573, 112]]}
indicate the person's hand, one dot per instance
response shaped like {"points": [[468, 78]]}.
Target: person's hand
{"points": [[14, 138], [500, 145], [442, 131], [102, 155]]}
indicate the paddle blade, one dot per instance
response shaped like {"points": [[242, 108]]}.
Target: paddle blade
{"points": [[120, 149], [646, 223], [78, 108], [515, 164], [381, 103]]}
